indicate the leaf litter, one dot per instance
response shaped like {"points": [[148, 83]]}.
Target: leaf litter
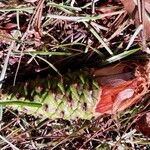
{"points": [[67, 27]]}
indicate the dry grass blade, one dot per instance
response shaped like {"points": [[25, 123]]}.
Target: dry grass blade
{"points": [[83, 19], [138, 30], [120, 29], [3, 72], [9, 143], [101, 40]]}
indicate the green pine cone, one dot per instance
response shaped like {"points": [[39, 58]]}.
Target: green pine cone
{"points": [[74, 95]]}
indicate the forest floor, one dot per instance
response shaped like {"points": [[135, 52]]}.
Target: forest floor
{"points": [[41, 37]]}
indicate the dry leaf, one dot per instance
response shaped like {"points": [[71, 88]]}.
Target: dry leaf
{"points": [[110, 70], [117, 98], [122, 90]]}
